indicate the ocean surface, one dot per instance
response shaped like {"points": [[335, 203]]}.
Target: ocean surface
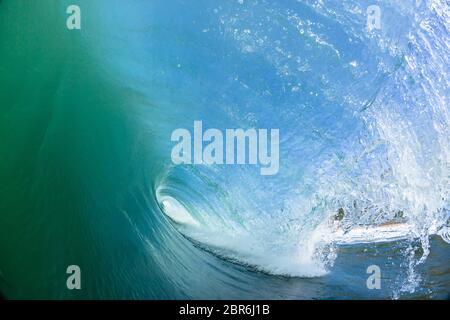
{"points": [[86, 176]]}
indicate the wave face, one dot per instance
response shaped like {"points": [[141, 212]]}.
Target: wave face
{"points": [[85, 125]]}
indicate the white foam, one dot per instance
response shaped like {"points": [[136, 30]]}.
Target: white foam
{"points": [[176, 211], [372, 234]]}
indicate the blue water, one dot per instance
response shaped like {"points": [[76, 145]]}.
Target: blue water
{"points": [[86, 120]]}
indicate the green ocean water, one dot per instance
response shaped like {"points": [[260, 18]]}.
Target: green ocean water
{"points": [[66, 150]]}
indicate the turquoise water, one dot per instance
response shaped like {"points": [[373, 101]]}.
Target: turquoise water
{"points": [[85, 123]]}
